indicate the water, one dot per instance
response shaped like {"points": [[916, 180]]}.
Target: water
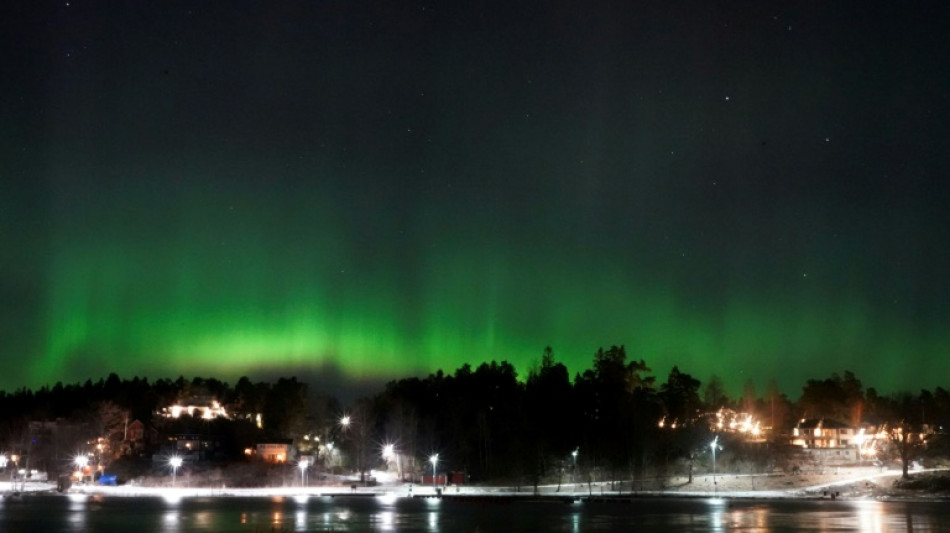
{"points": [[96, 513]]}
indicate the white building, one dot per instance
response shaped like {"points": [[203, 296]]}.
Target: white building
{"points": [[827, 441]]}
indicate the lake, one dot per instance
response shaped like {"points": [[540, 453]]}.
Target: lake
{"points": [[50, 513]]}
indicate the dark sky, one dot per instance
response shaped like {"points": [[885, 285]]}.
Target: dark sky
{"points": [[371, 190]]}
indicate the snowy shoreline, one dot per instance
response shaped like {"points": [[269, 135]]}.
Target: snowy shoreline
{"points": [[852, 484]]}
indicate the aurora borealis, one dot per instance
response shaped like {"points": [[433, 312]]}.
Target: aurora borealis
{"points": [[754, 192]]}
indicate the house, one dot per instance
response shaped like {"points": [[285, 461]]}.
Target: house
{"points": [[276, 451], [198, 407], [196, 446], [823, 433], [139, 438], [827, 441]]}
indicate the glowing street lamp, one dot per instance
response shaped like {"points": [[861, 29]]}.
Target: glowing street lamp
{"points": [[434, 458], [345, 421], [574, 457], [389, 454], [81, 462], [712, 446], [175, 463], [302, 465], [3, 461]]}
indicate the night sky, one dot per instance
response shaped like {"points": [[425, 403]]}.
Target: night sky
{"points": [[372, 190]]}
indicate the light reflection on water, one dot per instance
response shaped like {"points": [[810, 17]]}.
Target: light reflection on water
{"points": [[79, 513], [870, 516], [727, 517], [170, 522], [717, 506], [385, 520]]}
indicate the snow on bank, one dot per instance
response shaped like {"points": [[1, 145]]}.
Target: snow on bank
{"points": [[723, 486], [30, 486]]}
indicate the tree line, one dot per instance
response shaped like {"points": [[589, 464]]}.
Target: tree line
{"points": [[487, 421]]}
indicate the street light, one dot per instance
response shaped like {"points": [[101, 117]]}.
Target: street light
{"points": [[389, 454], [712, 446], [302, 465], [15, 458], [345, 421], [81, 462], [574, 457], [434, 458], [175, 463]]}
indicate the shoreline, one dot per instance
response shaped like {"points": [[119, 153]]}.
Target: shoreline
{"points": [[848, 485]]}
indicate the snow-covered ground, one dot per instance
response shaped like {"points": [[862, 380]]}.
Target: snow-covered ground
{"points": [[722, 485]]}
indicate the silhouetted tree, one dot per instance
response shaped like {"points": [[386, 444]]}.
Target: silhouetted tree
{"points": [[714, 394], [619, 410], [549, 415], [905, 430], [680, 396], [839, 398]]}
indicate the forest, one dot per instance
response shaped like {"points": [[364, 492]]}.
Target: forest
{"points": [[614, 420]]}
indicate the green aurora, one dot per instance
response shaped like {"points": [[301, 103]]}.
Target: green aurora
{"points": [[377, 191], [226, 281]]}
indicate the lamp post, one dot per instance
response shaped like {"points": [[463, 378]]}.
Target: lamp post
{"points": [[345, 422], [574, 470], [434, 458], [81, 462], [389, 454], [302, 465], [99, 456], [712, 446], [175, 463], [16, 466]]}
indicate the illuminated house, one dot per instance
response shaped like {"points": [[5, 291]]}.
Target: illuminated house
{"points": [[204, 408], [822, 433], [827, 441], [743, 425], [276, 451]]}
